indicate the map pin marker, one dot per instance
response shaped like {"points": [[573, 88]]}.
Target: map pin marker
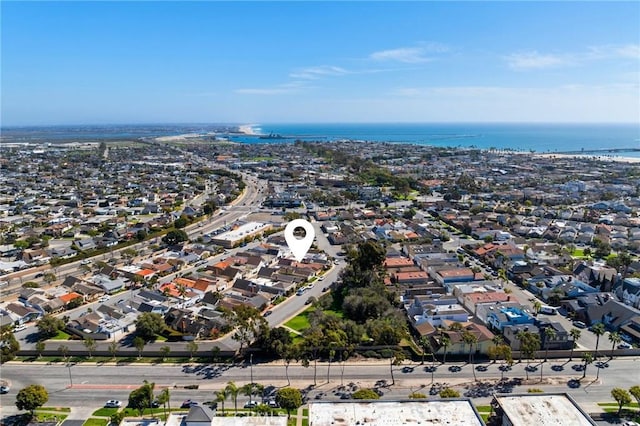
{"points": [[299, 246]]}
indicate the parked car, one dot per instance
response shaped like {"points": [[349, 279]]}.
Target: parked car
{"points": [[624, 345], [104, 298], [187, 403], [113, 403], [4, 389], [19, 327], [579, 324], [250, 404], [267, 313], [273, 404]]}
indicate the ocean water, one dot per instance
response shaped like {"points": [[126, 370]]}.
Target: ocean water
{"points": [[601, 139], [623, 139]]}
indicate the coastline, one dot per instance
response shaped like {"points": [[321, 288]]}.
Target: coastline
{"points": [[605, 158]]}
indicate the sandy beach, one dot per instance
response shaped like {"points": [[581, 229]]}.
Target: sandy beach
{"points": [[248, 129], [609, 158]]}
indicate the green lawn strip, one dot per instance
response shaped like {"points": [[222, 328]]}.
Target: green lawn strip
{"points": [[61, 336], [483, 408], [485, 417], [93, 421], [132, 412], [305, 412], [305, 422], [615, 404], [104, 412], [48, 416]]}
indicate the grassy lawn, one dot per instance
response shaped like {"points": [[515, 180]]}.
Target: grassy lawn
{"points": [[615, 404], [96, 422], [56, 409], [49, 417], [61, 336], [105, 412], [301, 321]]}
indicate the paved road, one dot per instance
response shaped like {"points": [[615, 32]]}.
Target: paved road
{"points": [[93, 384]]}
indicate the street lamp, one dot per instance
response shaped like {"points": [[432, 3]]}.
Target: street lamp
{"points": [[251, 367], [70, 379]]}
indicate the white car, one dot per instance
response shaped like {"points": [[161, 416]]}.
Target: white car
{"points": [[113, 403], [104, 298], [19, 327]]}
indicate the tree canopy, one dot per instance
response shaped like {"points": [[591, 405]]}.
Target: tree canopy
{"points": [[289, 399], [142, 397], [8, 344], [149, 324], [175, 236], [31, 397], [48, 326]]}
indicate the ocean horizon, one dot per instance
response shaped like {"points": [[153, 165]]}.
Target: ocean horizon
{"points": [[614, 139]]}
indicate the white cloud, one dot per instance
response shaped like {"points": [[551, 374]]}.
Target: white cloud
{"points": [[409, 55], [314, 73], [535, 60]]}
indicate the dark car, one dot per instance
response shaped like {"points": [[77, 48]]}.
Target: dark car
{"points": [[187, 403], [267, 313]]}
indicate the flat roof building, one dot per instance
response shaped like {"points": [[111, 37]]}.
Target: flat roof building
{"points": [[382, 413], [234, 237], [540, 409]]}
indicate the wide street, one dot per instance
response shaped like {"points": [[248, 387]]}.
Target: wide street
{"points": [[89, 384]]}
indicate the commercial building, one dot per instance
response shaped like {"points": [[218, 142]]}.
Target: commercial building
{"points": [[540, 409], [236, 236], [389, 413]]}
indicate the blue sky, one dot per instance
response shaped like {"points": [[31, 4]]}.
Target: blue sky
{"points": [[287, 62]]}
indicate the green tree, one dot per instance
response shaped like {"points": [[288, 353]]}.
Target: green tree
{"points": [[164, 398], [622, 397], [165, 352], [614, 338], [90, 344], [192, 347], [48, 326], [598, 329], [575, 335], [64, 351], [9, 345], [587, 358], [31, 397], [445, 342], [139, 343], [537, 306], [175, 236], [529, 344], [289, 399], [635, 391], [142, 397], [149, 324], [470, 339], [365, 394], [40, 346], [397, 359], [113, 349], [232, 390], [549, 334], [221, 397], [449, 393], [49, 277]]}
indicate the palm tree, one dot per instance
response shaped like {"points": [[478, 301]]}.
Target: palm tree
{"points": [[424, 343], [445, 342], [497, 341], [248, 390], [396, 359], [598, 330], [614, 338], [587, 358], [549, 334], [233, 390], [470, 339], [536, 306], [163, 398], [221, 397], [575, 334]]}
